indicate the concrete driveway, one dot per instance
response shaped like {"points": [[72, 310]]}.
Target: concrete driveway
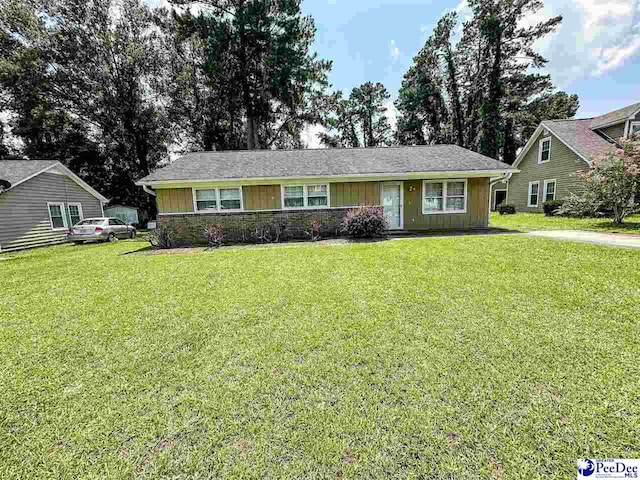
{"points": [[613, 239]]}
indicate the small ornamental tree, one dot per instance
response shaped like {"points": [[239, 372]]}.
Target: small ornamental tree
{"points": [[613, 181]]}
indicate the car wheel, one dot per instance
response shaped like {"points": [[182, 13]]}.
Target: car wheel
{"points": [[132, 234], [111, 237]]}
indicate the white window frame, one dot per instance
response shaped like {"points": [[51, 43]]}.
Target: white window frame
{"points": [[529, 204], [540, 144], [544, 192], [74, 204], [631, 125], [305, 196], [444, 210], [63, 211], [218, 208]]}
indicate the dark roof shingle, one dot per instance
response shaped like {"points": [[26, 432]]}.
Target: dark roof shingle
{"points": [[324, 162], [577, 134], [616, 116], [15, 171]]}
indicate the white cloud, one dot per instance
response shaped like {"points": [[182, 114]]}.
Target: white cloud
{"points": [[394, 51], [595, 37], [310, 136], [391, 113]]}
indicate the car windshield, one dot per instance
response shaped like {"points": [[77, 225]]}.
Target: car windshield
{"points": [[92, 221]]}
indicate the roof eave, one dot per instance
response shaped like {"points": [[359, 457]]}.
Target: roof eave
{"points": [[346, 177]]}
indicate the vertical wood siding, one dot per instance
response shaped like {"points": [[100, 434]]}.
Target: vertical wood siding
{"points": [[174, 200], [562, 166], [24, 216], [477, 215], [261, 197], [352, 194], [614, 131]]}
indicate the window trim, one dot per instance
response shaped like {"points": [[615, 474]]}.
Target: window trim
{"points": [[555, 189], [74, 204], [305, 196], [540, 144], [218, 208], [63, 211], [529, 204], [632, 124], [444, 183]]}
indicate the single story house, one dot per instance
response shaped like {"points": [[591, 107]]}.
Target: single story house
{"points": [[421, 188], [123, 212], [557, 150], [40, 200]]}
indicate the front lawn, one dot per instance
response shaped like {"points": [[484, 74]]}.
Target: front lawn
{"points": [[465, 357], [537, 221]]}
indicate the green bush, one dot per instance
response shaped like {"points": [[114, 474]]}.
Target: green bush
{"points": [[364, 222], [550, 207], [162, 237], [506, 209], [584, 206]]}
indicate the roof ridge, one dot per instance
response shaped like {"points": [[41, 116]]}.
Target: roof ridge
{"points": [[390, 147]]}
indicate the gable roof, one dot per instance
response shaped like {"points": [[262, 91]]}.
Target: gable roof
{"points": [[19, 171], [617, 116], [328, 162], [575, 134]]}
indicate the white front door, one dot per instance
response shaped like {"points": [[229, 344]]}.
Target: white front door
{"points": [[392, 197]]}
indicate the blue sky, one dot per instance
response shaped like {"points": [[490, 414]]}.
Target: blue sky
{"points": [[595, 53]]}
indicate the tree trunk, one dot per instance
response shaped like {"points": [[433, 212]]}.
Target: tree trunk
{"points": [[509, 148], [455, 98], [491, 107]]}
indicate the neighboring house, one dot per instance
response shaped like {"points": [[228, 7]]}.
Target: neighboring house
{"points": [[126, 214], [558, 149], [44, 199], [440, 187]]}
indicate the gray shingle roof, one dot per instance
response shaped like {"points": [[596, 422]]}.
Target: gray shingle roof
{"points": [[615, 117], [324, 162], [579, 136], [15, 171]]}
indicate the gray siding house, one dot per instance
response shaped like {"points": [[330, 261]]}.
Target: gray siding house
{"points": [[41, 200], [557, 150]]}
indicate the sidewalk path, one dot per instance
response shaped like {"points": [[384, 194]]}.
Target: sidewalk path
{"points": [[614, 239]]}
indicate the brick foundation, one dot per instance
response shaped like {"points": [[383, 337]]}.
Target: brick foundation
{"points": [[249, 227]]}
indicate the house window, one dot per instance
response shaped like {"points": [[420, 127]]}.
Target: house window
{"points": [[57, 216], [533, 194], [230, 199], [444, 196], [75, 212], [305, 196], [218, 199], [206, 200], [317, 195], [293, 196], [549, 190], [634, 129], [544, 150]]}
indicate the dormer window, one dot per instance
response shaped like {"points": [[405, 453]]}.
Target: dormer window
{"points": [[544, 150], [634, 129]]}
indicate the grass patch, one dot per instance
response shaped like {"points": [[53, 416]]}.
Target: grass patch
{"points": [[538, 221], [465, 357]]}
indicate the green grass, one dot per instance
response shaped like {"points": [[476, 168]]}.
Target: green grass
{"points": [[466, 357], [537, 221]]}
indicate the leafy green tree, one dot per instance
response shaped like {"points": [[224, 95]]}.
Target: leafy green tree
{"points": [[359, 120], [263, 49]]}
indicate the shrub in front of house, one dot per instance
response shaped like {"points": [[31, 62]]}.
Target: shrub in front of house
{"points": [[506, 209], [215, 235], [364, 222], [163, 237], [314, 231], [551, 207], [274, 232], [584, 206]]}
